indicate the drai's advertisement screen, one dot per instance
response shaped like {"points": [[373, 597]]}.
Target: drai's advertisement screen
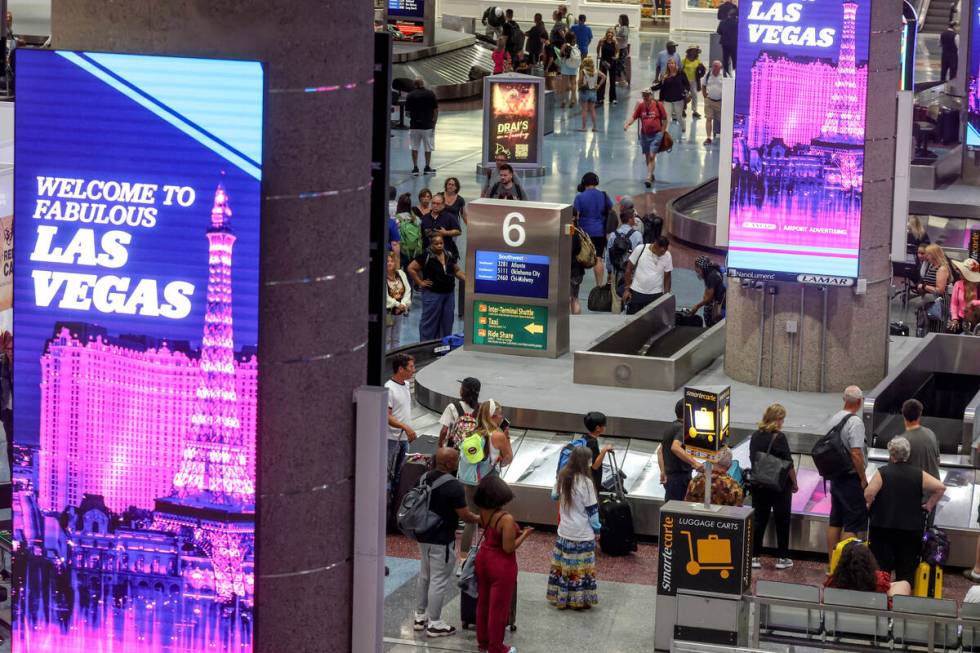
{"points": [[973, 77], [513, 129], [136, 246], [798, 142]]}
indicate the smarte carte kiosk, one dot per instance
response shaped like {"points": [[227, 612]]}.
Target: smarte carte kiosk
{"points": [[704, 565]]}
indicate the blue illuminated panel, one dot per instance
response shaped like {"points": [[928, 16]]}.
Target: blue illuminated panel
{"points": [[516, 275]]}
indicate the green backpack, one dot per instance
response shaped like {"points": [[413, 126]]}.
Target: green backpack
{"points": [[411, 234]]}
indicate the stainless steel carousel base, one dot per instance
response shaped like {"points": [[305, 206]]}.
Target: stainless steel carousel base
{"points": [[651, 352]]}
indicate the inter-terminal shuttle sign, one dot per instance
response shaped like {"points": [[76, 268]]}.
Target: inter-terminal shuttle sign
{"points": [[798, 140], [136, 268]]}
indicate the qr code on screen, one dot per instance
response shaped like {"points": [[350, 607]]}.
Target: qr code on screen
{"points": [[520, 150]]}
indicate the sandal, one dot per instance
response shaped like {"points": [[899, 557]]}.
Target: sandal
{"points": [[972, 576]]}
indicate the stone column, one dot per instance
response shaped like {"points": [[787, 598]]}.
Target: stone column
{"points": [[311, 335], [856, 338]]}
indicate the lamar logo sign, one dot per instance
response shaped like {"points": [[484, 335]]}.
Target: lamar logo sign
{"points": [[820, 280]]}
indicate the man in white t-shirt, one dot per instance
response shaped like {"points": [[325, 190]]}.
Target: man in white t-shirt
{"points": [[648, 274], [469, 403], [399, 415]]}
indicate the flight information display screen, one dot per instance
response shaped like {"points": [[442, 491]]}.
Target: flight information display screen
{"points": [[516, 275]]}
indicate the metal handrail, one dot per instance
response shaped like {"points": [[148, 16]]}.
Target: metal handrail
{"points": [[891, 615]]}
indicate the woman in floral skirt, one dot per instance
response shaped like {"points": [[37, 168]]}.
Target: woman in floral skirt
{"points": [[571, 583]]}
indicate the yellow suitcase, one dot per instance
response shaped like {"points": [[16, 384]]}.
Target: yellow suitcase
{"points": [[714, 551], [928, 581]]}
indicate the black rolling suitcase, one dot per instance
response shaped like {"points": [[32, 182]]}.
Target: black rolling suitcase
{"points": [[467, 611], [949, 126], [617, 536]]}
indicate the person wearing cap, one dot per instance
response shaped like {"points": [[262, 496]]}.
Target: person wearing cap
{"points": [[625, 232], [669, 52], [694, 70], [964, 305], [949, 43], [468, 404], [713, 300], [653, 122]]}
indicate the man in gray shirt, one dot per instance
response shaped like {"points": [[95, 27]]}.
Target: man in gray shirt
{"points": [[925, 449], [848, 511]]}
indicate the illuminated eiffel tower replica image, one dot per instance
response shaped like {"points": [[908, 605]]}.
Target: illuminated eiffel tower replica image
{"points": [[842, 132], [213, 497]]}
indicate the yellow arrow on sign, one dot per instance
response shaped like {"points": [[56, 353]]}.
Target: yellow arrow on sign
{"points": [[535, 328]]}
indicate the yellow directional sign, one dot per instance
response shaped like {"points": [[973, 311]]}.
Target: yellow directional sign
{"points": [[535, 328]]}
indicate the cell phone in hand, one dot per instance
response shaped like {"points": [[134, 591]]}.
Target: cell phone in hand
{"points": [[504, 425]]}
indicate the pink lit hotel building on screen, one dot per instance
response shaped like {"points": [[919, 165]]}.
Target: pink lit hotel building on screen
{"points": [[99, 398]]}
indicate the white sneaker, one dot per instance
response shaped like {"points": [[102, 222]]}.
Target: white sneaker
{"points": [[420, 621], [512, 649], [784, 563], [757, 563], [440, 629]]}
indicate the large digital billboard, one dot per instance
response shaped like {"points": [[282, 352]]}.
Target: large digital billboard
{"points": [[137, 200], [513, 124], [973, 77], [798, 141]]}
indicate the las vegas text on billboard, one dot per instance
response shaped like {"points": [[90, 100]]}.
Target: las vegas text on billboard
{"points": [[137, 201], [798, 140]]}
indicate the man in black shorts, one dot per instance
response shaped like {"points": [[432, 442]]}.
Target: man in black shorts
{"points": [[848, 510]]}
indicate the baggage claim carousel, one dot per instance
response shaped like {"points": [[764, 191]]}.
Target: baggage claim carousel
{"points": [[942, 371]]}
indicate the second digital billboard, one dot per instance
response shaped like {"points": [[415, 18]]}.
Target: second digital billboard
{"points": [[798, 141], [137, 202]]}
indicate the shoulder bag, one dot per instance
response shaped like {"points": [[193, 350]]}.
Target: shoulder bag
{"points": [[768, 471]]}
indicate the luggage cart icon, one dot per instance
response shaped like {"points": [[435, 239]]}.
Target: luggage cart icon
{"points": [[702, 423], [714, 554]]}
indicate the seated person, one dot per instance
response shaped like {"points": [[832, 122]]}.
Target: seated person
{"points": [[858, 570], [725, 491], [964, 307]]}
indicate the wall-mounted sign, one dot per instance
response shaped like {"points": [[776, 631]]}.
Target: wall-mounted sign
{"points": [[137, 202], [513, 109], [798, 140], [974, 245], [510, 325], [706, 420], [518, 275]]}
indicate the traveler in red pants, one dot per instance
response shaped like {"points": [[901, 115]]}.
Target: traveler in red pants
{"points": [[496, 563]]}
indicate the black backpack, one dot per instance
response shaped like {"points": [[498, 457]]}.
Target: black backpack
{"points": [[653, 227], [831, 456], [619, 250], [517, 35]]}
